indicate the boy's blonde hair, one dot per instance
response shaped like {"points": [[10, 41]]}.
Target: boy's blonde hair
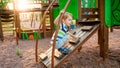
{"points": [[64, 17]]}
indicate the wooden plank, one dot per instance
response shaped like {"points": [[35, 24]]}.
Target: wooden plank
{"points": [[7, 26], [89, 9], [90, 16], [6, 12], [84, 37], [6, 16], [32, 10], [87, 22], [80, 32], [7, 20], [47, 62]]}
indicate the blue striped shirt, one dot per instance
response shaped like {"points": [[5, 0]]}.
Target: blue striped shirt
{"points": [[62, 36], [62, 31]]}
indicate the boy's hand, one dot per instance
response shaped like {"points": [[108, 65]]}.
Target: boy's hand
{"points": [[62, 11]]}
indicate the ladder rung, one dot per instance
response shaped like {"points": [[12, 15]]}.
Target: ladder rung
{"points": [[6, 17], [7, 20]]}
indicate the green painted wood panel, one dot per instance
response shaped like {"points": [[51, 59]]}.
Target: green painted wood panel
{"points": [[72, 8], [115, 14], [108, 12]]}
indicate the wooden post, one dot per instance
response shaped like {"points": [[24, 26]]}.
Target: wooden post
{"points": [[79, 17], [18, 23], [58, 27], [1, 32], [42, 24], [44, 27], [15, 20], [111, 29], [80, 10], [99, 36], [51, 21], [103, 31]]}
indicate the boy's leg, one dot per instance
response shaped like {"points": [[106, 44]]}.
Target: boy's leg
{"points": [[61, 42]]}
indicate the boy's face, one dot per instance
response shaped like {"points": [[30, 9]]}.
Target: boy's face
{"points": [[68, 21]]}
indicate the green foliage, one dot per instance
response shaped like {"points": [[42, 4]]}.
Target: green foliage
{"points": [[19, 52], [3, 6]]}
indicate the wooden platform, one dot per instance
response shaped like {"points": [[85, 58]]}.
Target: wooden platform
{"points": [[85, 35]]}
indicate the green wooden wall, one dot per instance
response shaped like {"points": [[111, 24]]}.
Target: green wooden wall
{"points": [[72, 8], [112, 12]]}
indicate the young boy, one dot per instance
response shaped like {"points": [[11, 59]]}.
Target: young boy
{"points": [[63, 33]]}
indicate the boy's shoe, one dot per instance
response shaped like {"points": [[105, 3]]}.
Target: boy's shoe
{"points": [[64, 51]]}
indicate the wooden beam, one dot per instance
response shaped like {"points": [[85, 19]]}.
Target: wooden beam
{"points": [[1, 32], [58, 27], [80, 10], [103, 31], [17, 21], [42, 24], [111, 29], [51, 21]]}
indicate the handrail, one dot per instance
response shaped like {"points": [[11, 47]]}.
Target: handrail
{"points": [[58, 26], [41, 24]]}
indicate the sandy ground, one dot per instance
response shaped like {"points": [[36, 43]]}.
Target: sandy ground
{"points": [[88, 57]]}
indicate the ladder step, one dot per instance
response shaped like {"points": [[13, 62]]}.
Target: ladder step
{"points": [[8, 27], [7, 12], [10, 20], [6, 17], [73, 47], [7, 23]]}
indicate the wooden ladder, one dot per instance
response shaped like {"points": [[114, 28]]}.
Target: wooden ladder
{"points": [[7, 19], [6, 23], [85, 35]]}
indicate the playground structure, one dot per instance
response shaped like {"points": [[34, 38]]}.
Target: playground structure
{"points": [[26, 21], [98, 24], [6, 23], [114, 13], [32, 30], [83, 19]]}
